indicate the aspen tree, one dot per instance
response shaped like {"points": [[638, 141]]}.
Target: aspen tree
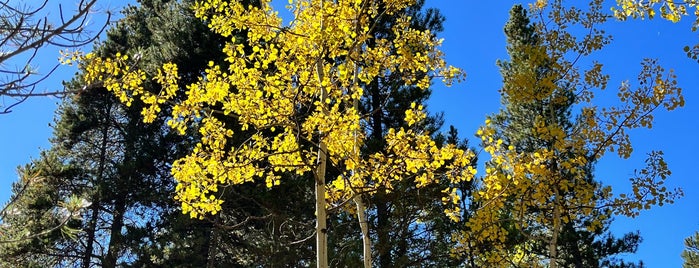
{"points": [[292, 90]]}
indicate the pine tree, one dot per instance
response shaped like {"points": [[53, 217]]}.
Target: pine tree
{"points": [[690, 255], [38, 214]]}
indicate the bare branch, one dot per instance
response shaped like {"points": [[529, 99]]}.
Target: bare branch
{"points": [[25, 30]]}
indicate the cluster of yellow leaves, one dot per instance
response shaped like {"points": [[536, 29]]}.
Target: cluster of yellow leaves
{"points": [[530, 185], [114, 74], [669, 10], [287, 91], [533, 187], [408, 154], [68, 57]]}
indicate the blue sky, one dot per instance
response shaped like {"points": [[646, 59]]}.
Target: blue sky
{"points": [[474, 41]]}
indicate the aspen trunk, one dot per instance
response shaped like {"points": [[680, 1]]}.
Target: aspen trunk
{"points": [[553, 244], [321, 228], [321, 218], [366, 240], [115, 236]]}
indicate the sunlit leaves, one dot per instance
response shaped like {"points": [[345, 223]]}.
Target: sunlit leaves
{"points": [[669, 10], [269, 95]]}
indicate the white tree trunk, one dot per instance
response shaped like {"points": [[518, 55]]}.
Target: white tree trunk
{"points": [[364, 225], [321, 226]]}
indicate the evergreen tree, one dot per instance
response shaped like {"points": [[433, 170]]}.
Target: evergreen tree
{"points": [[690, 255], [37, 214]]}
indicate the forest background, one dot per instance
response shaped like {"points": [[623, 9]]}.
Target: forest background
{"points": [[474, 41]]}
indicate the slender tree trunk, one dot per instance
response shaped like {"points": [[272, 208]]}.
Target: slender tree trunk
{"points": [[321, 218], [382, 225], [321, 228], [212, 247], [402, 233], [115, 237], [206, 248], [364, 225], [382, 245], [91, 229], [557, 204], [553, 244], [382, 228], [361, 208]]}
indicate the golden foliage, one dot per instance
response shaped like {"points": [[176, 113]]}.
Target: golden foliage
{"points": [[268, 93]]}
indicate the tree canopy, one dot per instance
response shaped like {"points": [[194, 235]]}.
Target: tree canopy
{"points": [[206, 131]]}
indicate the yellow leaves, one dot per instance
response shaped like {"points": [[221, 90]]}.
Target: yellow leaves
{"points": [[669, 10], [68, 57], [596, 79], [270, 89], [414, 114], [657, 88], [413, 155], [114, 74], [541, 159], [648, 188], [538, 5]]}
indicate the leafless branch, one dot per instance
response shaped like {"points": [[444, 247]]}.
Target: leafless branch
{"points": [[24, 31]]}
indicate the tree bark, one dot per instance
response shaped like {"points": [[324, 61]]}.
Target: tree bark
{"points": [[92, 228], [115, 237], [366, 240], [321, 218], [382, 229], [212, 247], [321, 227], [553, 244]]}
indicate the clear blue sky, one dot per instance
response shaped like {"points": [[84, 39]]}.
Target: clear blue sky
{"points": [[474, 41]]}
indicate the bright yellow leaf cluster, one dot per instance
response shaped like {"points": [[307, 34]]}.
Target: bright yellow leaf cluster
{"points": [[114, 74], [285, 90]]}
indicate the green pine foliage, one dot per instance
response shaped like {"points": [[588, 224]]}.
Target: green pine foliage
{"points": [[690, 255]]}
